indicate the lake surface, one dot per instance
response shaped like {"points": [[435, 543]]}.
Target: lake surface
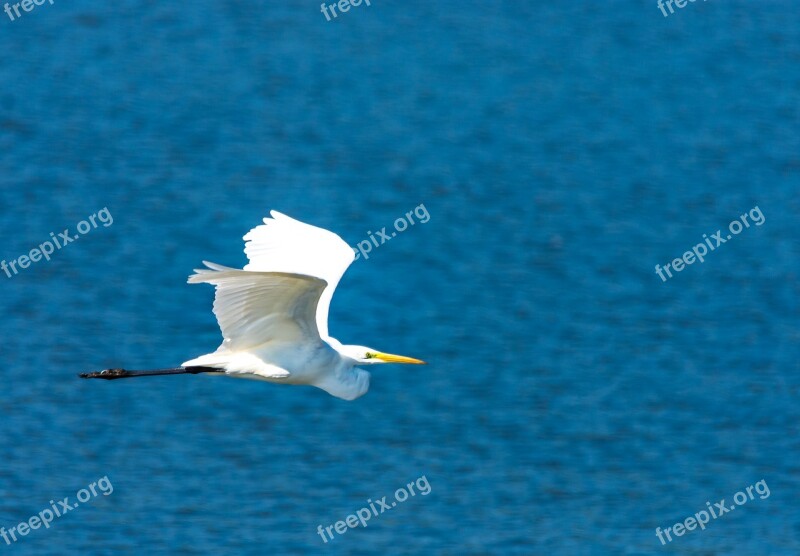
{"points": [[573, 401]]}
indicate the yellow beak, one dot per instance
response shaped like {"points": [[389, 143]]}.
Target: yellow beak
{"points": [[389, 358]]}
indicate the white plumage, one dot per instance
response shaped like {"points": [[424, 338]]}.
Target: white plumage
{"points": [[273, 314]]}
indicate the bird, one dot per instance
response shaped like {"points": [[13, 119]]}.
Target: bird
{"points": [[273, 314]]}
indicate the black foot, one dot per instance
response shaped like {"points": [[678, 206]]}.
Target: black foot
{"points": [[108, 374]]}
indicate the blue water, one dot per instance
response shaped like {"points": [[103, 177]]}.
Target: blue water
{"points": [[573, 402]]}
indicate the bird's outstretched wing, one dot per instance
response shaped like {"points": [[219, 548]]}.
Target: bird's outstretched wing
{"points": [[283, 244], [253, 308]]}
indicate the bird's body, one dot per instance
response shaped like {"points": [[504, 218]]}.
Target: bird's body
{"points": [[273, 313]]}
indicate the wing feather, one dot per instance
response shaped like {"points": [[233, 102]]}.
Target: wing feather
{"points": [[253, 308], [283, 244]]}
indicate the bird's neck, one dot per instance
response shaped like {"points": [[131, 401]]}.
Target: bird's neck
{"points": [[347, 382]]}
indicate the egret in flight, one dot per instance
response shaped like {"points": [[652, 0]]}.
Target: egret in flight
{"points": [[273, 314]]}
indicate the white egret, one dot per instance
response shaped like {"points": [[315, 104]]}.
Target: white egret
{"points": [[273, 314]]}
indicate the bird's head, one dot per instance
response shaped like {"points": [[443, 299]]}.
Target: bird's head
{"points": [[368, 356]]}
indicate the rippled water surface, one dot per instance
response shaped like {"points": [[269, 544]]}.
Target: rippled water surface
{"points": [[573, 402]]}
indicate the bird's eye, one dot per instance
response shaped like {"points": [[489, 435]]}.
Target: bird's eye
{"points": [[369, 355]]}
